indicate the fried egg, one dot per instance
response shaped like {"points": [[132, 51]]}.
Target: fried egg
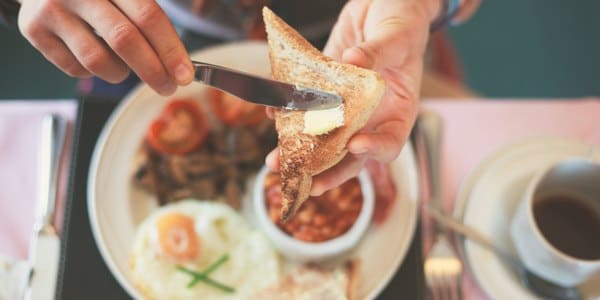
{"points": [[194, 234]]}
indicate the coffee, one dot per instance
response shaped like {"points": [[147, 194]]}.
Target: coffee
{"points": [[570, 224]]}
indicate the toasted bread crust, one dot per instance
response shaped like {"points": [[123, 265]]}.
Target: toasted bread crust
{"points": [[294, 60]]}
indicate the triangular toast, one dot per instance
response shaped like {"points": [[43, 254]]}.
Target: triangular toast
{"points": [[294, 60]]}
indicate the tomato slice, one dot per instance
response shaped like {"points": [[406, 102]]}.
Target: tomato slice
{"points": [[234, 111], [180, 128]]}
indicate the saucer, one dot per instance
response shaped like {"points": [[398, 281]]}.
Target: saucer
{"points": [[488, 198]]}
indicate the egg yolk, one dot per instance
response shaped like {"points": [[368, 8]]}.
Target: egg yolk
{"points": [[177, 238]]}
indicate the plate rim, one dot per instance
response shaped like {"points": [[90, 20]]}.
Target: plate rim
{"points": [[407, 154], [472, 178]]}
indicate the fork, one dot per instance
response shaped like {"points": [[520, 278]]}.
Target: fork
{"points": [[443, 268]]}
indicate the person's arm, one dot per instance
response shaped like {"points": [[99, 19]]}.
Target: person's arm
{"points": [[108, 38]]}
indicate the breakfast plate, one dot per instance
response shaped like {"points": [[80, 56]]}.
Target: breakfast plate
{"points": [[117, 207], [488, 199]]}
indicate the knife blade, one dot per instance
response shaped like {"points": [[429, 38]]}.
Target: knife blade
{"points": [[44, 250], [264, 91]]}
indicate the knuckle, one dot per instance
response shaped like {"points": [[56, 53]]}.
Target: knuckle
{"points": [[32, 19], [33, 30], [120, 36], [48, 7], [50, 10], [171, 53], [148, 14]]}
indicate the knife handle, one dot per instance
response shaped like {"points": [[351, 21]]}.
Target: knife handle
{"points": [[51, 147]]}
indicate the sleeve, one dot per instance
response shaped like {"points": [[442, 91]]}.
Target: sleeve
{"points": [[9, 10]]}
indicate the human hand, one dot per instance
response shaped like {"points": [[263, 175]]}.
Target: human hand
{"points": [[390, 37], [108, 38]]}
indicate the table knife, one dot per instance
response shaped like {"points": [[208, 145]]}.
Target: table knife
{"points": [[264, 91], [44, 250]]}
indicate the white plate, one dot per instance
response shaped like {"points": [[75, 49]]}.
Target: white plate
{"points": [[488, 198], [116, 207]]}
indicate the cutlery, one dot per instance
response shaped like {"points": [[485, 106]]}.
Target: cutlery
{"points": [[538, 285], [45, 244], [443, 268], [264, 91]]}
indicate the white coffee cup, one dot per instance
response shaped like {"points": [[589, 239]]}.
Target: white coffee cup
{"points": [[577, 182]]}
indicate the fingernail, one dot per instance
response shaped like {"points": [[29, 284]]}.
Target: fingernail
{"points": [[167, 89], [358, 150], [183, 73], [316, 191], [272, 161]]}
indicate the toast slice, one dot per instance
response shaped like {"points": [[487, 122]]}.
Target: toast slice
{"points": [[303, 155]]}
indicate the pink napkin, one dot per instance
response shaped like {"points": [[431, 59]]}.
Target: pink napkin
{"points": [[20, 125], [474, 130]]}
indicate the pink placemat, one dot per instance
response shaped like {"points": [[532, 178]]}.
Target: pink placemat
{"points": [[20, 127], [473, 130]]}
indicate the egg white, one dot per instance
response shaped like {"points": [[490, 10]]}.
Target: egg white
{"points": [[253, 264]]}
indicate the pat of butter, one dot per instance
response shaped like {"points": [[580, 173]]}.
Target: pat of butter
{"points": [[323, 121]]}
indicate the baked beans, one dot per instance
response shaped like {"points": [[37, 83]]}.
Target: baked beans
{"points": [[319, 218]]}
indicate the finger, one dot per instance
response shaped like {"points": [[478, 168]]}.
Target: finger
{"points": [[89, 50], [53, 50], [384, 144], [270, 112], [127, 42], [58, 53], [335, 45], [347, 31], [348, 168], [272, 160], [358, 56], [160, 33]]}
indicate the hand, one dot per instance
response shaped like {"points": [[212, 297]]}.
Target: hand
{"points": [[390, 37], [107, 38]]}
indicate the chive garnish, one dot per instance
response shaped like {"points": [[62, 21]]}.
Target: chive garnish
{"points": [[204, 275]]}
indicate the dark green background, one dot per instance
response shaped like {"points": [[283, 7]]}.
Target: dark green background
{"points": [[511, 48]]}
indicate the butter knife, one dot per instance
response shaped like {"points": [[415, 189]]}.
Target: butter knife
{"points": [[45, 244], [264, 91]]}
